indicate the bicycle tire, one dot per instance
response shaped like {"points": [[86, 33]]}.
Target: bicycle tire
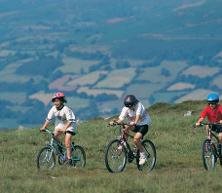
{"points": [[116, 155], [48, 162], [78, 156], [61, 159], [208, 155], [150, 152]]}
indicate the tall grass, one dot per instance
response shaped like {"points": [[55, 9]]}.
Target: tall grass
{"points": [[179, 166]]}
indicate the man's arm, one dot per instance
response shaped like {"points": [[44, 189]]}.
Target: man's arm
{"points": [[199, 121]]}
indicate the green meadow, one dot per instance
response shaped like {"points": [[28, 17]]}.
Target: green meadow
{"points": [[179, 166]]}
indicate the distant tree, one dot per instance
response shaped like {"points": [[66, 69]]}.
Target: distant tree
{"points": [[35, 115], [43, 66], [105, 97], [165, 72], [122, 64]]}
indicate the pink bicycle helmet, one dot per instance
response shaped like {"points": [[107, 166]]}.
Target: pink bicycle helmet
{"points": [[59, 95]]}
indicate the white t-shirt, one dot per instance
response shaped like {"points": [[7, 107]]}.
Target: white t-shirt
{"points": [[62, 117], [130, 114]]}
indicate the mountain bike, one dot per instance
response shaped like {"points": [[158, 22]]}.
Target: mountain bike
{"points": [[46, 158], [118, 152], [210, 152]]}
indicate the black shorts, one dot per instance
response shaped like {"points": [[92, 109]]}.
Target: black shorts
{"points": [[70, 132], [143, 129], [217, 128]]}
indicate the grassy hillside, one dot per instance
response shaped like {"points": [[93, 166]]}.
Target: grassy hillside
{"points": [[179, 167]]}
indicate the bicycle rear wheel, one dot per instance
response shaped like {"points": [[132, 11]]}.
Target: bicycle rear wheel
{"points": [[115, 156], [78, 156], [46, 159], [208, 155], [150, 153]]}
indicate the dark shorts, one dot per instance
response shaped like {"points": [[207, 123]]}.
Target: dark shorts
{"points": [[143, 129], [217, 128], [70, 132]]}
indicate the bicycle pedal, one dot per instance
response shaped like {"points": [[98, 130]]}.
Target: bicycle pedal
{"points": [[130, 160], [130, 157]]}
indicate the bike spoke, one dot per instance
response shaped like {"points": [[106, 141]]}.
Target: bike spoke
{"points": [[115, 157], [208, 155], [46, 159], [150, 153], [78, 157]]}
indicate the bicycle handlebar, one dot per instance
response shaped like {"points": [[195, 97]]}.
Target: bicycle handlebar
{"points": [[207, 124], [47, 131], [120, 124], [122, 129]]}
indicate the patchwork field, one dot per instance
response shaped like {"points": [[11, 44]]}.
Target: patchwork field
{"points": [[96, 92], [143, 90], [195, 95], [201, 71], [14, 97], [117, 78], [76, 66], [88, 79], [217, 81], [164, 73], [180, 86]]}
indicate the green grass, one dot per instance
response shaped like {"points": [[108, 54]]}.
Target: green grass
{"points": [[179, 167]]}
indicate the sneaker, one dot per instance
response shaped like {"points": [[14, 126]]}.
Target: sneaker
{"points": [[68, 162], [142, 159]]}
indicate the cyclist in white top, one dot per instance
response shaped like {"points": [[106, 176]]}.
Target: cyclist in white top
{"points": [[64, 119], [138, 119]]}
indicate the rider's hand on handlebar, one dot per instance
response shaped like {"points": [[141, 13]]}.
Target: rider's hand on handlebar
{"points": [[42, 129], [113, 122], [197, 124], [125, 131], [132, 123]]}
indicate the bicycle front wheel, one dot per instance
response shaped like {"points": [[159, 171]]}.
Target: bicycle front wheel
{"points": [[46, 159], [78, 156], [115, 156], [150, 153], [208, 155]]}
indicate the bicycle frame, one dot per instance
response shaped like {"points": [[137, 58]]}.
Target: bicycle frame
{"points": [[119, 151], [124, 139], [54, 144], [210, 132], [54, 148], [213, 143]]}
